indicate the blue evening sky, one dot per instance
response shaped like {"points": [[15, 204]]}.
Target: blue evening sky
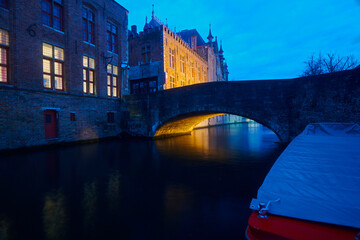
{"points": [[262, 39]]}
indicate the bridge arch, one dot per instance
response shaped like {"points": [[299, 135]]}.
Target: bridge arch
{"points": [[185, 123], [285, 106]]}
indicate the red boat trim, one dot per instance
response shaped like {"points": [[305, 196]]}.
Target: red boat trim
{"points": [[281, 228]]}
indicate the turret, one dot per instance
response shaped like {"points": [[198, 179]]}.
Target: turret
{"points": [[210, 37], [146, 27], [221, 50]]}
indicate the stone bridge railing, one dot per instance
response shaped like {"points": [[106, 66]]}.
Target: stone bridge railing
{"points": [[286, 106]]}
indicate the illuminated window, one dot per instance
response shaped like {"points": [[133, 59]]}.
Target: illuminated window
{"points": [[4, 3], [172, 82], [52, 13], [4, 56], [112, 80], [192, 71], [88, 75], [172, 58], [182, 64], [88, 21], [53, 67], [145, 54], [111, 37], [199, 75]]}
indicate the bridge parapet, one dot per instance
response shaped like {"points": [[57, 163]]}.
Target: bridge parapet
{"points": [[285, 106]]}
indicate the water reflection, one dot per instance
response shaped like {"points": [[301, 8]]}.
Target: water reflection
{"points": [[232, 142], [4, 228], [55, 217], [114, 193], [190, 187], [90, 206]]}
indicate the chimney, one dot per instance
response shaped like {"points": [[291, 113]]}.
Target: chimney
{"points": [[194, 42], [134, 29]]}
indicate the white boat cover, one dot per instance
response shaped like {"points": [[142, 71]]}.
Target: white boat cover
{"points": [[317, 177]]}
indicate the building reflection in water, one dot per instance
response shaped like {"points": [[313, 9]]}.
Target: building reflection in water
{"points": [[113, 193], [52, 168], [254, 136], [232, 140], [55, 218], [177, 202], [90, 206], [168, 187], [4, 228]]}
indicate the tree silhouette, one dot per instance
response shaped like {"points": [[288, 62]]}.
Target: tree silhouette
{"points": [[328, 63]]}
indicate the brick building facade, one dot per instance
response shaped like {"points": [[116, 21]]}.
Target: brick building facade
{"points": [[61, 74], [162, 59]]}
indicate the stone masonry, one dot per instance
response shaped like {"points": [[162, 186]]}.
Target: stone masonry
{"points": [[23, 99]]}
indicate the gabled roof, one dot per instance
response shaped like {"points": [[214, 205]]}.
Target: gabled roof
{"points": [[186, 36], [154, 23]]}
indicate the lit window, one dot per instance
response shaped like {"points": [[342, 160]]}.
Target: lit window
{"points": [[145, 54], [199, 75], [88, 75], [111, 37], [4, 56], [52, 13], [112, 80], [88, 21], [53, 67], [172, 57], [192, 72], [172, 82], [4, 3], [182, 64]]}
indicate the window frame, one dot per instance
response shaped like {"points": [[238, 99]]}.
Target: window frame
{"points": [[182, 63], [111, 37], [171, 82], [5, 46], [86, 78], [51, 14], [172, 57], [88, 22], [52, 73], [145, 54], [110, 76]]}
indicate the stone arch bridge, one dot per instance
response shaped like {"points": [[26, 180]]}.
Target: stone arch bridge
{"points": [[285, 106]]}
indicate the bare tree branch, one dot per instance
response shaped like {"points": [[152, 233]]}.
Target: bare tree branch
{"points": [[328, 64]]}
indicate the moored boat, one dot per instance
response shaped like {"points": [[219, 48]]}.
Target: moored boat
{"points": [[313, 189]]}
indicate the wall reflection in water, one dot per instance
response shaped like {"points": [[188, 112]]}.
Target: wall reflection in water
{"points": [[114, 193], [189, 187], [90, 206], [55, 217], [4, 227], [232, 142]]}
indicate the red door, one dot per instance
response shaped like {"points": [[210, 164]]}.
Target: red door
{"points": [[50, 124]]}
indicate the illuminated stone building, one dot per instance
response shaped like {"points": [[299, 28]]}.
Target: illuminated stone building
{"points": [[217, 67], [61, 74], [161, 59]]}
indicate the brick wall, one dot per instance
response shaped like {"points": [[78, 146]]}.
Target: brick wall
{"points": [[23, 99], [22, 117]]}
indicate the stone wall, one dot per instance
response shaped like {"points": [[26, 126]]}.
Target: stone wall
{"points": [[22, 117], [23, 99], [286, 106]]}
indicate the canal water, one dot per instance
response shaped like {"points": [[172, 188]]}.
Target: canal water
{"points": [[196, 186]]}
